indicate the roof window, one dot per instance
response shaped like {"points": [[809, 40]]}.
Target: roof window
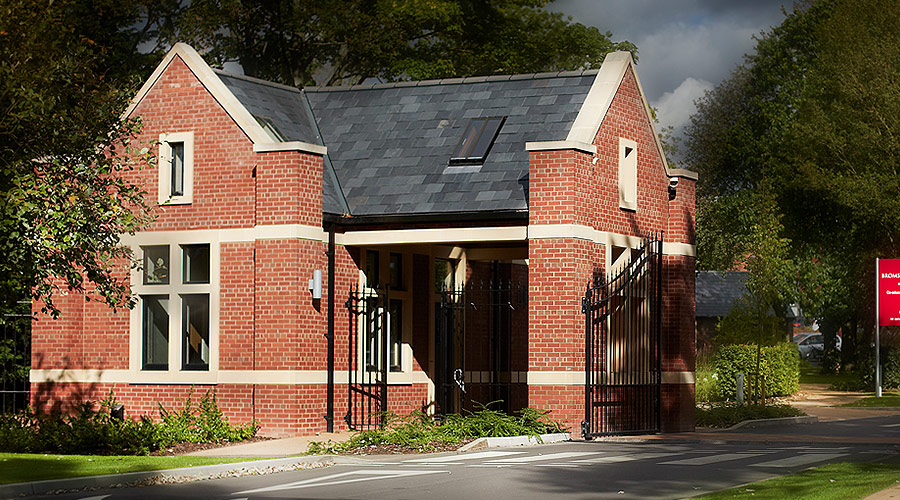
{"points": [[477, 140], [270, 128]]}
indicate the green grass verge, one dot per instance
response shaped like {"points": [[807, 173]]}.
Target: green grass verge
{"points": [[829, 482], [887, 399], [26, 467], [722, 415], [810, 374]]}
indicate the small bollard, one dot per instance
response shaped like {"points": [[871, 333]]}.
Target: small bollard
{"points": [[740, 388]]}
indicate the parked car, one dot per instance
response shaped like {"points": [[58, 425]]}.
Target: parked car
{"points": [[812, 347]]}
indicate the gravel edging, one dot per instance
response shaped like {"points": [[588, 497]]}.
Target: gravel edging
{"points": [[166, 476]]}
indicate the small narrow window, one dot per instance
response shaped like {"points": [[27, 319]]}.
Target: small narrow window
{"points": [[396, 335], [156, 265], [372, 269], [195, 320], [176, 186], [477, 140], [155, 334], [176, 168], [196, 263], [396, 271], [627, 174]]}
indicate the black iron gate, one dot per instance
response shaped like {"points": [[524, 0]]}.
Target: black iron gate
{"points": [[481, 344], [369, 351], [15, 356], [623, 315]]}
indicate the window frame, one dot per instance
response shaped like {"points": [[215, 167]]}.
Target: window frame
{"points": [[628, 174], [479, 131], [403, 297], [177, 370], [166, 174]]}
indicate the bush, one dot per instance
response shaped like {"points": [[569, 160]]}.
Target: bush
{"points": [[726, 415], [890, 369], [91, 430], [779, 364], [418, 432]]}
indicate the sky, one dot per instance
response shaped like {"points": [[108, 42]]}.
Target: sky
{"points": [[685, 47]]}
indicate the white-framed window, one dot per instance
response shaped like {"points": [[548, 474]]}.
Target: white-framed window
{"points": [[627, 174], [385, 284], [176, 168], [174, 328]]}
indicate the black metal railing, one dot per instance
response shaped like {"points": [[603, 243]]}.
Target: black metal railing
{"points": [[622, 312], [15, 357]]}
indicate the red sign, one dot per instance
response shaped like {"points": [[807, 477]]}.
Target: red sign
{"points": [[888, 292]]}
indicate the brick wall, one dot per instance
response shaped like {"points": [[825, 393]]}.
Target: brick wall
{"points": [[569, 187]]}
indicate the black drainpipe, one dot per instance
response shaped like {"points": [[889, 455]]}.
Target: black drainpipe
{"points": [[329, 417]]}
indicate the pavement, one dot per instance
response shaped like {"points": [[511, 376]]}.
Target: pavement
{"points": [[817, 401]]}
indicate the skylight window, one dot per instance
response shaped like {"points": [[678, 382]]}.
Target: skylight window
{"points": [[271, 129], [477, 140]]}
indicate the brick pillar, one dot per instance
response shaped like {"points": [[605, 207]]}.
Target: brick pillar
{"points": [[289, 325], [559, 268], [679, 336]]}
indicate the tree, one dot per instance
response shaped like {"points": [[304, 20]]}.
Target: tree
{"points": [[814, 113], [329, 42], [63, 202]]}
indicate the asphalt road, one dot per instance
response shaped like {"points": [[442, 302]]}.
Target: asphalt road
{"points": [[653, 469]]}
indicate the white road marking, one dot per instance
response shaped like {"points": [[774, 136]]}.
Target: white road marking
{"points": [[800, 460], [343, 478], [891, 425], [101, 497], [624, 458], [542, 458], [464, 456], [712, 459]]}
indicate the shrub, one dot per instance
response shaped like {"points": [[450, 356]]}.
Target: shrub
{"points": [[420, 432], [91, 430], [726, 415], [890, 368], [779, 365]]}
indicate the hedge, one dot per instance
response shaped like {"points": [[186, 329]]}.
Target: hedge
{"points": [[779, 364]]}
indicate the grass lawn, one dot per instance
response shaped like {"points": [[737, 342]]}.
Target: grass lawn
{"points": [[22, 467], [886, 399], [834, 481], [809, 374]]}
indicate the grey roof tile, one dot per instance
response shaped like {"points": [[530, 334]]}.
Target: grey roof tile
{"points": [[407, 170]]}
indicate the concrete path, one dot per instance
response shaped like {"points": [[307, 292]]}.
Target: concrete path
{"points": [[275, 447]]}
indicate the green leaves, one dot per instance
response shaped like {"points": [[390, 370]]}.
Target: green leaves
{"points": [[331, 42]]}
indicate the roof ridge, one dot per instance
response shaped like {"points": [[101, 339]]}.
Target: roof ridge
{"points": [[452, 81], [260, 81]]}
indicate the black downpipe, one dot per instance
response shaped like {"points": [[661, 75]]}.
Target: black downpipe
{"points": [[329, 417]]}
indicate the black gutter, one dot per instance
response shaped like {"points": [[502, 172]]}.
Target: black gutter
{"points": [[423, 218]]}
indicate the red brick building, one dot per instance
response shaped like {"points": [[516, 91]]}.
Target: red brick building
{"points": [[320, 253]]}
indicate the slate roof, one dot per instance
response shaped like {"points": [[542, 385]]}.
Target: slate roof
{"points": [[391, 144], [288, 110], [716, 292]]}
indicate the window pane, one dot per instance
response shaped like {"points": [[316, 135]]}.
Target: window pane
{"points": [[156, 265], [372, 346], [195, 321], [155, 332], [396, 341], [196, 263], [372, 278], [396, 271], [443, 275], [486, 139], [177, 184]]}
